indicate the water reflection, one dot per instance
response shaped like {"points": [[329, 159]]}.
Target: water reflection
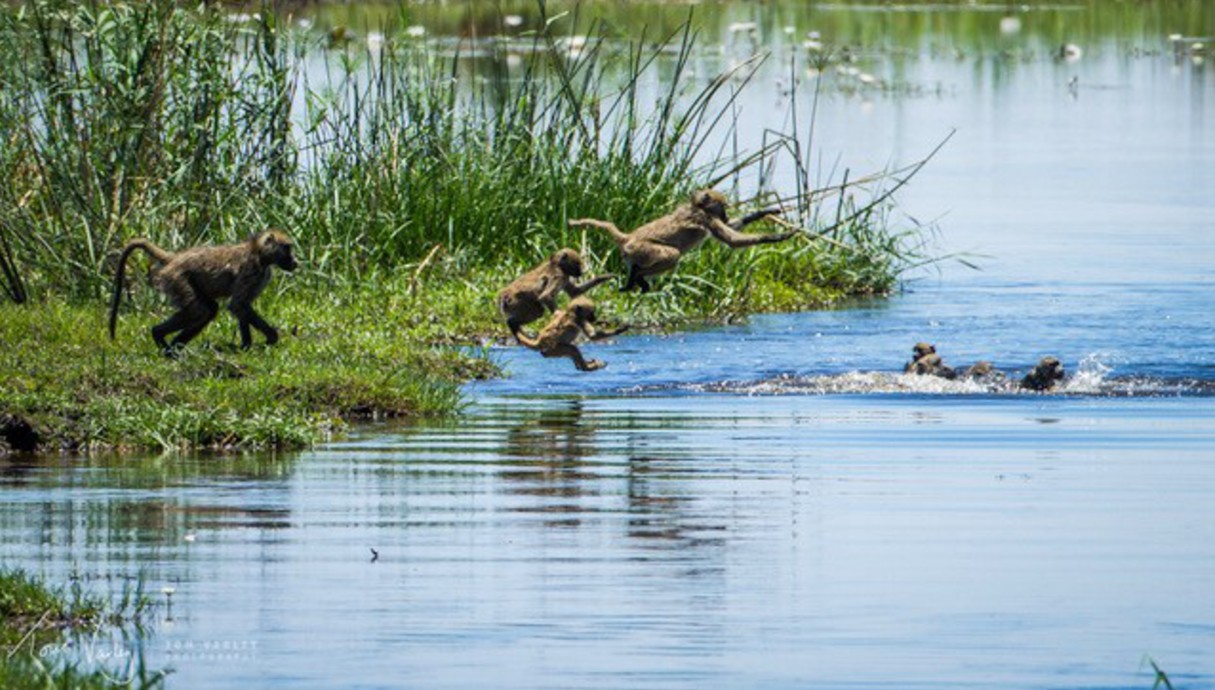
{"points": [[580, 541]]}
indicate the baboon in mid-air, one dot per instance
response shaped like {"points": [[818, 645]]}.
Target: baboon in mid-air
{"points": [[196, 279], [534, 293], [657, 246], [557, 338], [1045, 376]]}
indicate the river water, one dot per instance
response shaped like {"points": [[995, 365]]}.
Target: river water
{"points": [[769, 504]]}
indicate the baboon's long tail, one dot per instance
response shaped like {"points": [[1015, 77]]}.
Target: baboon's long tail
{"points": [[618, 237], [153, 251]]}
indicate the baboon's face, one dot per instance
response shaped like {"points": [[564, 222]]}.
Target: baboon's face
{"points": [[584, 310], [569, 262], [276, 248], [711, 202]]}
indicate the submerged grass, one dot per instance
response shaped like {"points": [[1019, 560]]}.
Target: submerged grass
{"points": [[415, 181], [39, 623]]}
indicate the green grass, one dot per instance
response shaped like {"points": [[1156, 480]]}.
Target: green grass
{"points": [[345, 355], [415, 182], [36, 620]]}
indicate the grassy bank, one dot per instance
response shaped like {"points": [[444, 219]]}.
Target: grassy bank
{"points": [[39, 625], [415, 181]]}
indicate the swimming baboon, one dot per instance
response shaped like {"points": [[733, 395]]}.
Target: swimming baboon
{"points": [[530, 295], [195, 279], [557, 338], [926, 362], [982, 371], [657, 246], [1045, 376], [918, 352]]}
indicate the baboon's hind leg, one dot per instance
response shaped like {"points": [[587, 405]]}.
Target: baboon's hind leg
{"points": [[571, 351], [189, 320]]}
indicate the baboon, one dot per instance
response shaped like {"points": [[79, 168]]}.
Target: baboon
{"points": [[983, 372], [1045, 376], [532, 294], [657, 246], [926, 362], [557, 338], [195, 279]]}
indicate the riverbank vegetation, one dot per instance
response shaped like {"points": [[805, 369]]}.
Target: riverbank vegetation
{"points": [[417, 177]]}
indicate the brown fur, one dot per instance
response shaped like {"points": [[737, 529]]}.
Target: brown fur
{"points": [[918, 352], [926, 362], [557, 338], [534, 293], [657, 246], [1045, 376], [195, 280]]}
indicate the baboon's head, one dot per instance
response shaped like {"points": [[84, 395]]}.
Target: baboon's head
{"points": [[568, 261], [981, 368], [276, 249], [583, 308], [922, 349], [711, 202]]}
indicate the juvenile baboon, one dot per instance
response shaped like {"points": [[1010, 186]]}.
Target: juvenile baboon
{"points": [[983, 372], [530, 295], [1045, 376], [557, 338], [657, 246], [196, 279], [926, 362]]}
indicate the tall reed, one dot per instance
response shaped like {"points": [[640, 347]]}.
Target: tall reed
{"points": [[154, 119]]}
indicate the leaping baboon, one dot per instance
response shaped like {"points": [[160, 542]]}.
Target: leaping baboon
{"points": [[657, 246], [557, 338], [195, 280], [1045, 376], [532, 294]]}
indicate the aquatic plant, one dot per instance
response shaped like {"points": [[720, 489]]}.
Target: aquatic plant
{"points": [[36, 620], [415, 181]]}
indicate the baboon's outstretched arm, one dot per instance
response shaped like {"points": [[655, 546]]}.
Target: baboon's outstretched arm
{"points": [[594, 334], [734, 239], [755, 216], [574, 290]]}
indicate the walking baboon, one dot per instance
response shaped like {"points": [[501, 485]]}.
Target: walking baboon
{"points": [[557, 338], [195, 280], [530, 295], [1045, 376], [657, 246]]}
